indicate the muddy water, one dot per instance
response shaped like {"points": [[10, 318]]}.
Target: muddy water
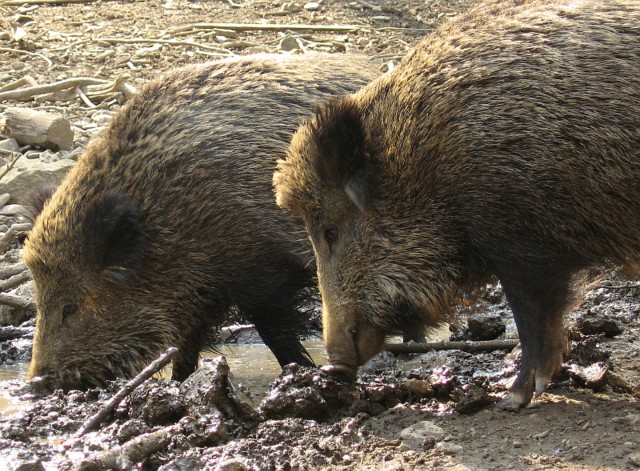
{"points": [[252, 365]]}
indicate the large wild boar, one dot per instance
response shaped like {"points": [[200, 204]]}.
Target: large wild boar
{"points": [[167, 224], [506, 144]]}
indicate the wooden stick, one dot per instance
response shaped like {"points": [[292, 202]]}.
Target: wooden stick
{"points": [[94, 421], [266, 27], [11, 270], [132, 452], [12, 233], [170, 42], [16, 301], [20, 51], [470, 346], [17, 3], [26, 80], [10, 332], [15, 280], [28, 92]]}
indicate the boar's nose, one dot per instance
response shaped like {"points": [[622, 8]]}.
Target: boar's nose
{"points": [[343, 372]]}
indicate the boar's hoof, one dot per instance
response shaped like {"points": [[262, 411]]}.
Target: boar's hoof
{"points": [[514, 401], [38, 385], [342, 372]]}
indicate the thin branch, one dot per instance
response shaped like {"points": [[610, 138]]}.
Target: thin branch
{"points": [[94, 421], [170, 42], [11, 333], [12, 270], [27, 80], [15, 281], [12, 233], [8, 168], [17, 3], [266, 27], [20, 51], [470, 346], [28, 92], [134, 451], [16, 301]]}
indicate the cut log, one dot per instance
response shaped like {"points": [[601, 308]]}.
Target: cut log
{"points": [[38, 128]]}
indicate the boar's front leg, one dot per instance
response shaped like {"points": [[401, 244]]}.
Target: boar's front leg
{"points": [[186, 362], [538, 300]]}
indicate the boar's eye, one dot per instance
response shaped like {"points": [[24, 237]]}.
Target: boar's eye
{"points": [[331, 235], [67, 311]]}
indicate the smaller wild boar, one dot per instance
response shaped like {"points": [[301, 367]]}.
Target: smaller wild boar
{"points": [[167, 225], [506, 144]]}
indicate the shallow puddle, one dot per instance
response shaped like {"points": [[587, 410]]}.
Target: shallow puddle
{"points": [[252, 365]]}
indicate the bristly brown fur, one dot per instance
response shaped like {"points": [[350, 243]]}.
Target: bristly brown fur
{"points": [[506, 143], [167, 225]]}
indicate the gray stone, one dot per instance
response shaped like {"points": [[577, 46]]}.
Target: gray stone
{"points": [[29, 175]]}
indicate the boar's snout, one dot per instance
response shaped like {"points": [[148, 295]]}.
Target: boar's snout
{"points": [[350, 340]]}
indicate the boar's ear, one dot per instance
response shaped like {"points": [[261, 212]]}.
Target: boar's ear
{"points": [[113, 232], [343, 156]]}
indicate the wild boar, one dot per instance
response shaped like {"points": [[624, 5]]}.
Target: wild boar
{"points": [[167, 225], [506, 144]]}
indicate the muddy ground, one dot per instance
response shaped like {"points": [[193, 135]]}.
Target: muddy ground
{"points": [[429, 411]]}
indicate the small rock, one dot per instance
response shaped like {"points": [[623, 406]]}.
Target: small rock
{"points": [[450, 448], [28, 175], [486, 327], [291, 7], [10, 145], [312, 6], [233, 464], [517, 444], [289, 43], [634, 459], [599, 325], [418, 387], [593, 377], [422, 435], [33, 465]]}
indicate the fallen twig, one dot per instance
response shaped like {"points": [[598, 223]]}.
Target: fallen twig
{"points": [[466, 346], [16, 301], [12, 333], [20, 51], [29, 92], [11, 270], [265, 27], [132, 452], [15, 280], [27, 80], [17, 3], [170, 42], [13, 232], [94, 421]]}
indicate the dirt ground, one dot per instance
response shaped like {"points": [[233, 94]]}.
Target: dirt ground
{"points": [[429, 411]]}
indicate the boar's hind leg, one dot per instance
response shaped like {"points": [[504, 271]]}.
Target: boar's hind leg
{"points": [[538, 302]]}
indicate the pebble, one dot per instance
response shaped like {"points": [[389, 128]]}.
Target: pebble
{"points": [[10, 145], [517, 444], [289, 43], [422, 435], [312, 6], [634, 459]]}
